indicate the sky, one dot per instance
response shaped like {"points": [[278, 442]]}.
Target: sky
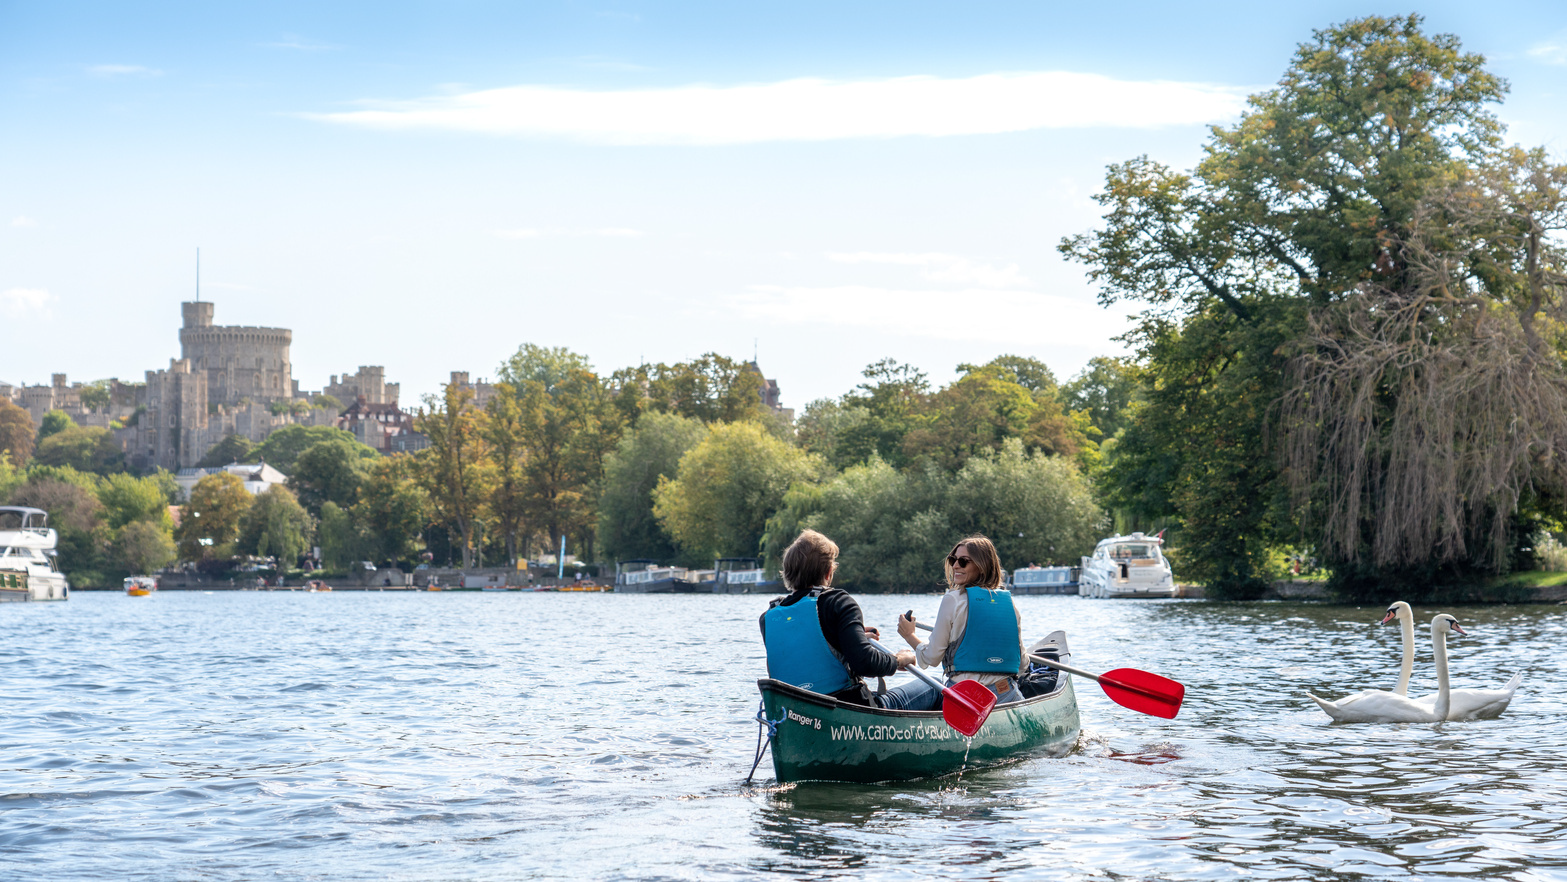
{"points": [[428, 186]]}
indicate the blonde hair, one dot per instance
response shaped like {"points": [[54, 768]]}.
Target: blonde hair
{"points": [[808, 561], [983, 553]]}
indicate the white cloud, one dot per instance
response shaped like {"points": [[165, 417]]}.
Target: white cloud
{"points": [[1550, 52], [605, 232], [20, 303], [296, 42], [23, 221], [1012, 317], [944, 268], [123, 70], [811, 109]]}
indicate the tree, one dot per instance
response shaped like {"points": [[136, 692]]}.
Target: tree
{"points": [[282, 448], [276, 525], [895, 526], [84, 448], [627, 528], [392, 508], [984, 408], [895, 395], [342, 542], [210, 520], [1426, 411], [75, 513], [16, 434], [128, 499], [330, 471], [1104, 390], [54, 421], [144, 547], [506, 439], [1293, 210], [327, 402], [452, 469], [837, 431], [567, 429], [727, 487], [232, 449], [95, 395], [713, 388]]}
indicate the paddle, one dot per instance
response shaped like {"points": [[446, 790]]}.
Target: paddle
{"points": [[965, 705], [1139, 690]]}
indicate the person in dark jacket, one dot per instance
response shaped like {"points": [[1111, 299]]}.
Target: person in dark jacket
{"points": [[816, 637]]}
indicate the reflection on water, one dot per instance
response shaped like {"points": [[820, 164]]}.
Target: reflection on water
{"points": [[525, 736]]}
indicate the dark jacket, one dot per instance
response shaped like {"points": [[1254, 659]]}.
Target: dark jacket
{"points": [[844, 627]]}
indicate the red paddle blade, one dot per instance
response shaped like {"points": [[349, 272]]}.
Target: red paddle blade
{"points": [[1143, 692], [966, 705]]}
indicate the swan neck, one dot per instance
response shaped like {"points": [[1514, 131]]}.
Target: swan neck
{"points": [[1406, 626], [1439, 649]]}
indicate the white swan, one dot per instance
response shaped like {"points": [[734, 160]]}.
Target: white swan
{"points": [[1465, 704], [1406, 621], [1390, 707]]}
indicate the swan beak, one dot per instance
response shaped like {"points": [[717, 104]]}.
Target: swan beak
{"points": [[1457, 629], [1389, 617]]}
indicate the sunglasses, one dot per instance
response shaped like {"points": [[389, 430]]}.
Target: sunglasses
{"points": [[959, 561]]}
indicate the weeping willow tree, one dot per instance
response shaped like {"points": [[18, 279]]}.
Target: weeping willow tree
{"points": [[1426, 411]]}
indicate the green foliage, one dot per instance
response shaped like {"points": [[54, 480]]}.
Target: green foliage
{"points": [[127, 499], [54, 421], [837, 431], [144, 547], [17, 434], [648, 453], [1104, 390], [1295, 207], [392, 509], [331, 470], [214, 513], [84, 448], [11, 478], [327, 402], [727, 487], [894, 527], [95, 395], [712, 389], [282, 448], [76, 515], [986, 407], [232, 449], [342, 542], [275, 525], [453, 470]]}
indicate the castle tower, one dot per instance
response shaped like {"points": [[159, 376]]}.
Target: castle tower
{"points": [[241, 362]]}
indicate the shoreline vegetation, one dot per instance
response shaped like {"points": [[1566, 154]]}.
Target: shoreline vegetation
{"points": [[1349, 360]]}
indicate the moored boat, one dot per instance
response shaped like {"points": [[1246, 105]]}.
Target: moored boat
{"points": [[1043, 580], [1127, 566], [140, 586], [647, 577], [742, 575], [817, 738], [27, 546]]}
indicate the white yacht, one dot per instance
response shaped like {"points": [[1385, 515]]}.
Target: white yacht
{"points": [[27, 546], [1127, 566]]}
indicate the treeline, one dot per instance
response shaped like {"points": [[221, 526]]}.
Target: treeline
{"points": [[1355, 349], [679, 463]]}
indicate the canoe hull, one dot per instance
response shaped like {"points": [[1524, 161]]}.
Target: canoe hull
{"points": [[820, 739]]}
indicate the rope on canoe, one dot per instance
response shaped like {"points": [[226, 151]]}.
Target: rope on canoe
{"points": [[767, 727]]}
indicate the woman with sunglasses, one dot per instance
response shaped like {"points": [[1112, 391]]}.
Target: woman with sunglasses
{"points": [[978, 633]]}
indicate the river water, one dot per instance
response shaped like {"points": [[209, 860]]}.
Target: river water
{"points": [[244, 735]]}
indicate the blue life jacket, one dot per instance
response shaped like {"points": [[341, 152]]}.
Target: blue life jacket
{"points": [[990, 643], [797, 651]]}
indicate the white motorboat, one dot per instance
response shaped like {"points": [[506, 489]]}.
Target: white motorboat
{"points": [[27, 546], [1127, 566]]}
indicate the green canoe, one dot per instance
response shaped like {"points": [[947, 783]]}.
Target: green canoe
{"points": [[820, 739]]}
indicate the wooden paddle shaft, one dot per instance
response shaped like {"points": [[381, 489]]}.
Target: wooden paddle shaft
{"points": [[1044, 660]]}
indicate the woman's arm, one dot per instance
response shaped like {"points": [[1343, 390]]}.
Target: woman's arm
{"points": [[930, 653]]}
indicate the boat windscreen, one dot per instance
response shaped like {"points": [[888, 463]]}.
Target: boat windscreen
{"points": [[1132, 552]]}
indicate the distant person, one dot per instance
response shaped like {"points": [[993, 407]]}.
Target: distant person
{"points": [[978, 632], [816, 637]]}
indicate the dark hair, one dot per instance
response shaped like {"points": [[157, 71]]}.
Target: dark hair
{"points": [[983, 552], [808, 561]]}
